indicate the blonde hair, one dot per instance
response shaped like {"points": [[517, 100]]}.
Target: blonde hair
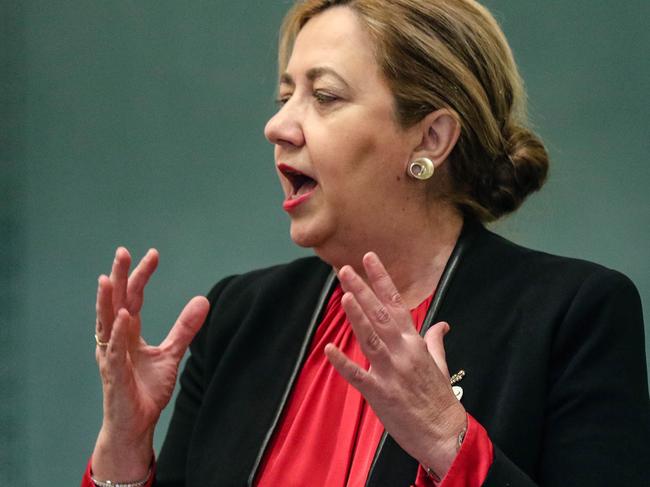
{"points": [[451, 54]]}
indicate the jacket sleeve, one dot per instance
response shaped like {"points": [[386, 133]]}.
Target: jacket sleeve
{"points": [[597, 420]]}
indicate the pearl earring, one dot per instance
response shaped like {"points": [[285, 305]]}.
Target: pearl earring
{"points": [[421, 168]]}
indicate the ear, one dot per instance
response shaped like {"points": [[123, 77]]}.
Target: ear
{"points": [[440, 132]]}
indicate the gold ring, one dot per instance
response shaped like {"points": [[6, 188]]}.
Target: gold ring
{"points": [[99, 342]]}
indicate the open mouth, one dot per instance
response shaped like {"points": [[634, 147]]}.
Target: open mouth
{"points": [[301, 184]]}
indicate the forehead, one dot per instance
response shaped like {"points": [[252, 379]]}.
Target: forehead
{"points": [[335, 39]]}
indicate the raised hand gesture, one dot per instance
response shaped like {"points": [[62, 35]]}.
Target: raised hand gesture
{"points": [[137, 379], [407, 384]]}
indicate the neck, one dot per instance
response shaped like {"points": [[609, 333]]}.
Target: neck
{"points": [[415, 259]]}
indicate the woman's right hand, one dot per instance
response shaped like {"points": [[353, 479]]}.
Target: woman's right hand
{"points": [[137, 379]]}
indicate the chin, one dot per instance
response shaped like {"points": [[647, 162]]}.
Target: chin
{"points": [[308, 236], [303, 239]]}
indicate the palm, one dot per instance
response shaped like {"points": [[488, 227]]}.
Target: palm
{"points": [[154, 377]]}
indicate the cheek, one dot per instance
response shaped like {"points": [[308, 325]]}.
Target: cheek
{"points": [[377, 153], [352, 151]]}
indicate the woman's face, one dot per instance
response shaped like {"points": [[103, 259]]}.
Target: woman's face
{"points": [[339, 152]]}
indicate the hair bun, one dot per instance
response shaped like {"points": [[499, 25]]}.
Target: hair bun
{"points": [[521, 170]]}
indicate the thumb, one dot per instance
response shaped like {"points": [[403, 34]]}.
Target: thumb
{"points": [[434, 339], [187, 325]]}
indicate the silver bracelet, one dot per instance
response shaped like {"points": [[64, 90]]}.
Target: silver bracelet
{"points": [[110, 483]]}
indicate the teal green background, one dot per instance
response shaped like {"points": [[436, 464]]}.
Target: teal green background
{"points": [[139, 123]]}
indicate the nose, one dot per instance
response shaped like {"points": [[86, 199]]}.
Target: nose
{"points": [[285, 127]]}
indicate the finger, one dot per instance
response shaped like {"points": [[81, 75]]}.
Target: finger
{"points": [[359, 378], [385, 289], [104, 309], [377, 314], [133, 333], [371, 344], [187, 325], [119, 276], [117, 348], [434, 338], [139, 279]]}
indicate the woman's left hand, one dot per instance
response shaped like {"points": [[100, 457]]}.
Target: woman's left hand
{"points": [[407, 384]]}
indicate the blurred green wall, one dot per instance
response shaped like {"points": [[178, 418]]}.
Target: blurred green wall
{"points": [[139, 123]]}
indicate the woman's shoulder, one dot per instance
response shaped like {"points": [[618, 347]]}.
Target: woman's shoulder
{"points": [[241, 303], [497, 273], [543, 267]]}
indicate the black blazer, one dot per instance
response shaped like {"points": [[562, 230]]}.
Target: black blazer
{"points": [[553, 349]]}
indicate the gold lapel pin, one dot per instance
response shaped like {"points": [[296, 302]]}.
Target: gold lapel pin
{"points": [[455, 379]]}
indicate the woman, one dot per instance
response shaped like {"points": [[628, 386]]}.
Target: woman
{"points": [[400, 130]]}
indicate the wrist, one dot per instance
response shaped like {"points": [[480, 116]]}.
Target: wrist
{"points": [[117, 458], [445, 451]]}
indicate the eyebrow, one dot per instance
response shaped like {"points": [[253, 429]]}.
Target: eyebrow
{"points": [[312, 74]]}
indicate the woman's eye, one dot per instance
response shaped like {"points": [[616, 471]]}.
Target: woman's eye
{"points": [[282, 100], [324, 98]]}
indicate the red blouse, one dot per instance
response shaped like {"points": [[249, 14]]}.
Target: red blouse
{"points": [[328, 434]]}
